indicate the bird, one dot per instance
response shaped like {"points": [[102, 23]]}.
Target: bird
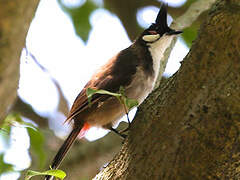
{"points": [[135, 68]]}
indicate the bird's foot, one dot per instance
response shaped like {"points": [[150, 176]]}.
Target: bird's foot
{"points": [[124, 136]]}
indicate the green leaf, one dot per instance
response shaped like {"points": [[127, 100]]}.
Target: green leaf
{"points": [[90, 92], [5, 134], [130, 103], [53, 172], [189, 34], [122, 90], [37, 145], [15, 119], [29, 125], [189, 2], [107, 93], [5, 167], [5, 127], [80, 17], [12, 119], [36, 138]]}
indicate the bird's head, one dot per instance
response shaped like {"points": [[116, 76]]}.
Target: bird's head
{"points": [[159, 28]]}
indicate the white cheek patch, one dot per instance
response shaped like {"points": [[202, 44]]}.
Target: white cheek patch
{"points": [[151, 38]]}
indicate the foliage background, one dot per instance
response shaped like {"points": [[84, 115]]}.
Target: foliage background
{"points": [[42, 142]]}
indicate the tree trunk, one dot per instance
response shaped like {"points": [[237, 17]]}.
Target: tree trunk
{"points": [[15, 19], [189, 127]]}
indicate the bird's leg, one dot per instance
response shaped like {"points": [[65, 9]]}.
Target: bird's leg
{"points": [[118, 133], [129, 124]]}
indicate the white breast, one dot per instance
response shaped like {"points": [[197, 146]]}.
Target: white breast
{"points": [[157, 50], [140, 86], [143, 84]]}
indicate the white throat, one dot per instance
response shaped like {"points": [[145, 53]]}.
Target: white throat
{"points": [[143, 84], [157, 50]]}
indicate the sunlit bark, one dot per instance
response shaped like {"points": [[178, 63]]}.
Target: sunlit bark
{"points": [[15, 19]]}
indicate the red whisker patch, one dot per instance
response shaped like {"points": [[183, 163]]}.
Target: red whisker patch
{"points": [[153, 32], [83, 131]]}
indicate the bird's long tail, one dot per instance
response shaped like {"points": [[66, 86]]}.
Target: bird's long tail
{"points": [[80, 131]]}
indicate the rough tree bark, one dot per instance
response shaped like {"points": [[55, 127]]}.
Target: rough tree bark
{"points": [[15, 19], [189, 127]]}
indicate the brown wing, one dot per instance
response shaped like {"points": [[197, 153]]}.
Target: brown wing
{"points": [[117, 72]]}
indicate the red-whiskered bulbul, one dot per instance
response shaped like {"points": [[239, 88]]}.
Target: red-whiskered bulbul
{"points": [[135, 69]]}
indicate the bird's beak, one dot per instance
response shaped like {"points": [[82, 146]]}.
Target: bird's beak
{"points": [[173, 32]]}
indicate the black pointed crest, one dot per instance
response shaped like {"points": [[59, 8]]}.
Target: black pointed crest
{"points": [[160, 25], [162, 17]]}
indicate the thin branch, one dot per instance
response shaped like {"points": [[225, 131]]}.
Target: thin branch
{"points": [[27, 111], [191, 15], [63, 105]]}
